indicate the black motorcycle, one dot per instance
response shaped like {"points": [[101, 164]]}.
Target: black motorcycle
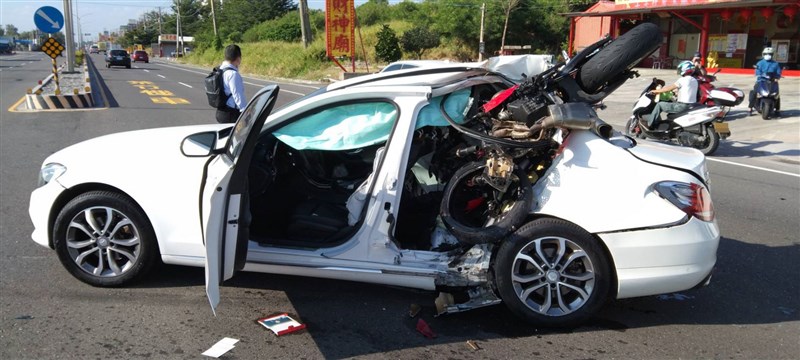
{"points": [[767, 95]]}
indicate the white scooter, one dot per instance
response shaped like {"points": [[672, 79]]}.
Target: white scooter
{"points": [[696, 127]]}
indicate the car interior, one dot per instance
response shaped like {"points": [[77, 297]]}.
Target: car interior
{"points": [[309, 180]]}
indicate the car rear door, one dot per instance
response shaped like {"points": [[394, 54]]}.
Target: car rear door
{"points": [[224, 201]]}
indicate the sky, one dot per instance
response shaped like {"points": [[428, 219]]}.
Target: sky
{"points": [[97, 15]]}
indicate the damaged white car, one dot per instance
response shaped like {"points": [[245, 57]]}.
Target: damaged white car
{"points": [[452, 179]]}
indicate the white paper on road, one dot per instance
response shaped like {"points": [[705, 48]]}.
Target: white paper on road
{"points": [[221, 347]]}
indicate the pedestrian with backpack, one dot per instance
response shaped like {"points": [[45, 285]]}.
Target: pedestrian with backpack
{"points": [[225, 88]]}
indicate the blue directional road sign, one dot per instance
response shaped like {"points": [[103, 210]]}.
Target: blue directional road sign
{"points": [[48, 19]]}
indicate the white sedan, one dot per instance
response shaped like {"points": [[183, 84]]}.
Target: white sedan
{"points": [[368, 180]]}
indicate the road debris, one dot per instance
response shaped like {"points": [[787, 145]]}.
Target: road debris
{"points": [[414, 310], [221, 347], [424, 329], [24, 317], [281, 324], [473, 345]]}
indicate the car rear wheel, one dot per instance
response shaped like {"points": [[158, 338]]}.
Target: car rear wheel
{"points": [[104, 239], [552, 273]]}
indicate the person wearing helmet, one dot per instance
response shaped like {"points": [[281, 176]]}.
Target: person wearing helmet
{"points": [[697, 61], [687, 94], [765, 66]]}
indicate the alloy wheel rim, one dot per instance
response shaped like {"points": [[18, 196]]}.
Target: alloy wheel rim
{"points": [[103, 241], [553, 276]]}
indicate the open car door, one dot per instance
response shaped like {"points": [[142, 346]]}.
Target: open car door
{"points": [[225, 201]]}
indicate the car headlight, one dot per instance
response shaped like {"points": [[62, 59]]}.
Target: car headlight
{"points": [[50, 172]]}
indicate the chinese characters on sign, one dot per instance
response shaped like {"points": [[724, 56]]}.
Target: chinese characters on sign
{"points": [[339, 28]]}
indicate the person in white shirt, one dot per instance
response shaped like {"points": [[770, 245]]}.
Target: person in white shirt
{"points": [[687, 94], [232, 85]]}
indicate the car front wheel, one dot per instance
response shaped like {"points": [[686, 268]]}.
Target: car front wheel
{"points": [[104, 239], [552, 273]]}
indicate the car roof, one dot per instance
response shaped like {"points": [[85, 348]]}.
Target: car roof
{"points": [[433, 77]]}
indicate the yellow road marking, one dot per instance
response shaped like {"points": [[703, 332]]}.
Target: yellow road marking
{"points": [[13, 108]]}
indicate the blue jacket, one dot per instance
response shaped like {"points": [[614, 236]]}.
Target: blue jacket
{"points": [[767, 66]]}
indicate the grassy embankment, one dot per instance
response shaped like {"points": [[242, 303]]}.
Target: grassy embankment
{"points": [[291, 60]]}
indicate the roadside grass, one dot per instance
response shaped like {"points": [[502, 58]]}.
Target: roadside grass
{"points": [[290, 60]]}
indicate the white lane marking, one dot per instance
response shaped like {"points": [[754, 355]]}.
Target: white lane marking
{"points": [[287, 83], [161, 76], [187, 85], [282, 90], [136, 67], [753, 167], [145, 70]]}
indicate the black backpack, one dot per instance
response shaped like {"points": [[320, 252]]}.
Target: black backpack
{"points": [[215, 90]]}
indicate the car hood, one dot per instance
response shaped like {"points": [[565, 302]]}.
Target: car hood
{"points": [[672, 156], [126, 159]]}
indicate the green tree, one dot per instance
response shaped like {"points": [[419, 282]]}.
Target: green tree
{"points": [[387, 49], [241, 15], [373, 12], [11, 30], [419, 39], [2, 31]]}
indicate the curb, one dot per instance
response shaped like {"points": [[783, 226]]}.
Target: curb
{"points": [[36, 101]]}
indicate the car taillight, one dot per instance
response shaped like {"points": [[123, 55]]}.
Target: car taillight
{"points": [[692, 198]]}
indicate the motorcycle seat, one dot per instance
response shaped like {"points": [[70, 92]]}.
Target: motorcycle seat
{"points": [[692, 107]]}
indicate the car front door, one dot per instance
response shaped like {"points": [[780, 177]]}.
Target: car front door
{"points": [[224, 201]]}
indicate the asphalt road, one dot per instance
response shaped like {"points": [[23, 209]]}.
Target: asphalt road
{"points": [[751, 309]]}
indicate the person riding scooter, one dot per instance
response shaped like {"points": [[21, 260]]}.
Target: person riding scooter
{"points": [[765, 66], [687, 94]]}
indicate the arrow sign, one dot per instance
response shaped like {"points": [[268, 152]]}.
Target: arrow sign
{"points": [[48, 19]]}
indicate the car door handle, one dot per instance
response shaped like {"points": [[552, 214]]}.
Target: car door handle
{"points": [[233, 222]]}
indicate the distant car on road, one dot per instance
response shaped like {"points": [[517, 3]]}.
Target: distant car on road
{"points": [[94, 49], [118, 58], [413, 64], [140, 55]]}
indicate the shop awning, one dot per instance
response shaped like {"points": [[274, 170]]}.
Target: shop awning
{"points": [[635, 7]]}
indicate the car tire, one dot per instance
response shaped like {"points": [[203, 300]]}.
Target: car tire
{"points": [[128, 66], [103, 252], [548, 289], [621, 54]]}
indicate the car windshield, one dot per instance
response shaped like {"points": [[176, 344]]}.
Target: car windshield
{"points": [[118, 52], [140, 53]]}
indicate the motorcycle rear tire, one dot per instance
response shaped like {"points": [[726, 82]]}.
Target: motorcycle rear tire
{"points": [[504, 225], [621, 54], [711, 143], [766, 108]]}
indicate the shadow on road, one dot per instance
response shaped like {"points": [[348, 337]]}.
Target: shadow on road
{"points": [[751, 149], [348, 319], [97, 82]]}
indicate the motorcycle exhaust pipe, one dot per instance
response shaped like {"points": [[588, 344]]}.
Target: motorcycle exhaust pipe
{"points": [[576, 116]]}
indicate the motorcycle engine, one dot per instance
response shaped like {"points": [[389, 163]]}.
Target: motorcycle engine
{"points": [[690, 139]]}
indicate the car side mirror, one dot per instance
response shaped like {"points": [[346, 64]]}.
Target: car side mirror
{"points": [[199, 145]]}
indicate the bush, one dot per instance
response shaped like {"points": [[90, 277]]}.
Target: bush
{"points": [[388, 48], [235, 37], [79, 57], [419, 39], [285, 28]]}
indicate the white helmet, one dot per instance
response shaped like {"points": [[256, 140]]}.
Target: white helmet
{"points": [[767, 50]]}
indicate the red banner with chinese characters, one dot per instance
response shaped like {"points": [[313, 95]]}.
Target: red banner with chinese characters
{"points": [[340, 19]]}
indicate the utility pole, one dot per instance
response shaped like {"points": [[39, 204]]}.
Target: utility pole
{"points": [[305, 26], [69, 36], [178, 29], [213, 18], [481, 44]]}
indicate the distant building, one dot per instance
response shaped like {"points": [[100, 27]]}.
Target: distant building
{"points": [[728, 33]]}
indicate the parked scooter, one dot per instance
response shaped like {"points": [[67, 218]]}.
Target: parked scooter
{"points": [[708, 94], [695, 127], [767, 95]]}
